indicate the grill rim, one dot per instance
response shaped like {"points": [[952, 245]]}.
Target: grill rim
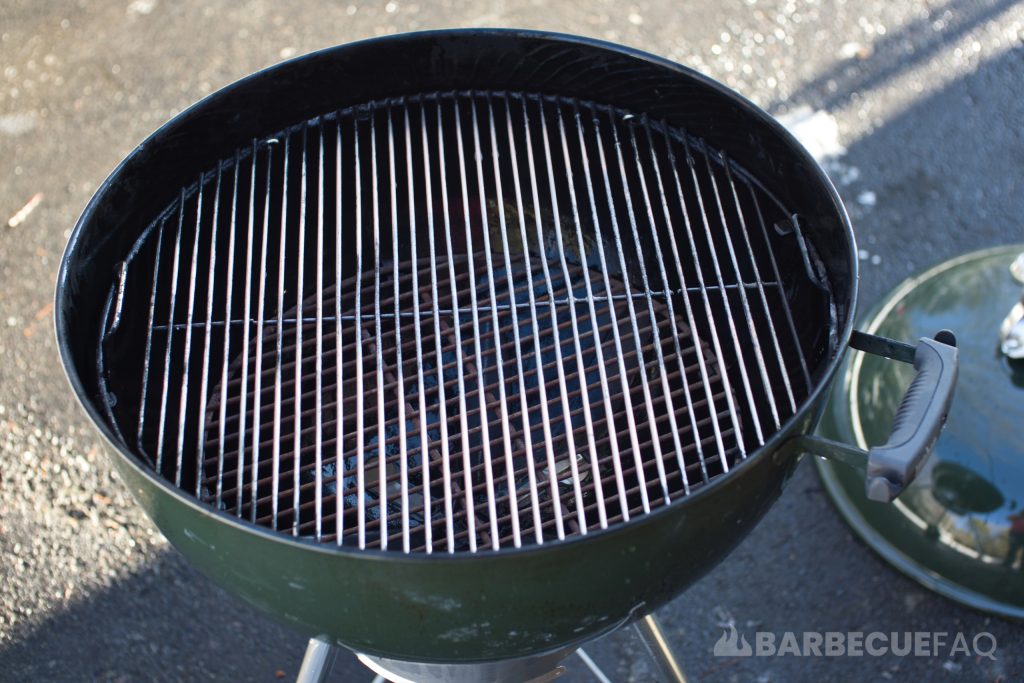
{"points": [[74, 261]]}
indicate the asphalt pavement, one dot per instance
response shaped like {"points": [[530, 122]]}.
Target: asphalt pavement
{"points": [[923, 117]]}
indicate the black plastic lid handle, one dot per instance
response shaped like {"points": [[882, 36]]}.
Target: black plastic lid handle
{"points": [[919, 420], [892, 466]]}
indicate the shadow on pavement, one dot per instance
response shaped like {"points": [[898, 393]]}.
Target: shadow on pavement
{"points": [[946, 174], [165, 623], [899, 51]]}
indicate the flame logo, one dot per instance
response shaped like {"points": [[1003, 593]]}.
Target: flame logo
{"points": [[732, 644]]}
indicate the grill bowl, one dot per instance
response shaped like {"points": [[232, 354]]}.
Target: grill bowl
{"points": [[469, 606]]}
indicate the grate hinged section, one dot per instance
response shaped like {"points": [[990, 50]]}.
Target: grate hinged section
{"points": [[459, 321]]}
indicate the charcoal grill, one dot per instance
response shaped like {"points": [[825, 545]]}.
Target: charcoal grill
{"points": [[470, 346]]}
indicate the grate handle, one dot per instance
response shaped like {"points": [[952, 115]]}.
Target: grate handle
{"points": [[919, 419]]}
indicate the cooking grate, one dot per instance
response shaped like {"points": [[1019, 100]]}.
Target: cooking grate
{"points": [[587, 321], [524, 491]]}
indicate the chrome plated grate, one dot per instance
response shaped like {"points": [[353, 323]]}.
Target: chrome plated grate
{"points": [[459, 321]]}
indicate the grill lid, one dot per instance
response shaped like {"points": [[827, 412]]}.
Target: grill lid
{"points": [[460, 321], [958, 528]]}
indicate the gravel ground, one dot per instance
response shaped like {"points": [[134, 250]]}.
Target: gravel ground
{"points": [[926, 102]]}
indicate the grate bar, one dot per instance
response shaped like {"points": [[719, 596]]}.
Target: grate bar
{"points": [[360, 431], [420, 382], [378, 353], [466, 310], [403, 460], [187, 352], [260, 312], [280, 337], [205, 381], [300, 300], [158, 462], [226, 352], [319, 377], [247, 309], [410, 315], [442, 403], [149, 335], [339, 387]]}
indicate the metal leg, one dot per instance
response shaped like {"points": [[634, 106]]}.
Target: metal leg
{"points": [[318, 662], [658, 648], [592, 665]]}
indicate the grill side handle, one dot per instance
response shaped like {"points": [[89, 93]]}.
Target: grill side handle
{"points": [[892, 466]]}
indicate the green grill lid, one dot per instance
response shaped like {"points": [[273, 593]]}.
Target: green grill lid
{"points": [[959, 528]]}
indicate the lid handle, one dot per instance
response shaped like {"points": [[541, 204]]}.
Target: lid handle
{"points": [[919, 419]]}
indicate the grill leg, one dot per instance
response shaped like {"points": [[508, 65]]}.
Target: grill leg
{"points": [[318, 662], [658, 648]]}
